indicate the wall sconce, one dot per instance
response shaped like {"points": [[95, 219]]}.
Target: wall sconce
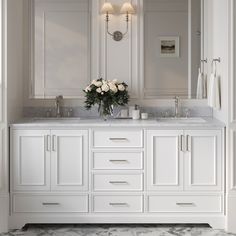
{"points": [[127, 9]]}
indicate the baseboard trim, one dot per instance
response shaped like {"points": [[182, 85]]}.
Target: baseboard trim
{"points": [[17, 221], [4, 212]]}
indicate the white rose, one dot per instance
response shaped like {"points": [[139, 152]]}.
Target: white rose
{"points": [[98, 90], [105, 87], [121, 87], [113, 87], [88, 89], [115, 81], [98, 83]]}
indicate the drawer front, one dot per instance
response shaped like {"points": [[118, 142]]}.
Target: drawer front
{"points": [[119, 182], [178, 204], [119, 138], [128, 204], [23, 203], [118, 160]]}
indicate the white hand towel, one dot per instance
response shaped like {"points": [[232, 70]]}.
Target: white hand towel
{"points": [[214, 92], [205, 87], [200, 85]]}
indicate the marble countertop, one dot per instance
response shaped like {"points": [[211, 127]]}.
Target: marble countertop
{"points": [[207, 122]]}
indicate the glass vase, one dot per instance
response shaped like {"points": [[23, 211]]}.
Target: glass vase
{"points": [[105, 111]]}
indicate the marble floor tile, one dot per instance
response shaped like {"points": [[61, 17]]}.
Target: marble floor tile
{"points": [[117, 230]]}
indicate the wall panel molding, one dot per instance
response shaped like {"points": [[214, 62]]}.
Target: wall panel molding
{"points": [[232, 153], [232, 19]]}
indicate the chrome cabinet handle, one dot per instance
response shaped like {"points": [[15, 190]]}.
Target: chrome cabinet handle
{"points": [[48, 143], [115, 161], [118, 139], [118, 182], [181, 143], [118, 204], [50, 204], [54, 143], [185, 204], [187, 143]]}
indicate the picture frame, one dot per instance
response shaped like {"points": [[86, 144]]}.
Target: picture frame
{"points": [[169, 46]]}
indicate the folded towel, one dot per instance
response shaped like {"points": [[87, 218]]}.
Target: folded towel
{"points": [[200, 85], [205, 87], [214, 95]]}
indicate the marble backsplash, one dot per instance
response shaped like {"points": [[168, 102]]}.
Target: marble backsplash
{"points": [[30, 112]]}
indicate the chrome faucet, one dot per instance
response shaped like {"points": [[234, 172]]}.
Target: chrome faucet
{"points": [[177, 112], [58, 106]]}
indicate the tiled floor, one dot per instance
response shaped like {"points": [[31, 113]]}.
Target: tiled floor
{"points": [[111, 230]]}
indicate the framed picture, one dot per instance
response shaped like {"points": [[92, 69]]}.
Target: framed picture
{"points": [[169, 46]]}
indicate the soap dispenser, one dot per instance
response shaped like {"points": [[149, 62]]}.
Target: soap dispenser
{"points": [[136, 113]]}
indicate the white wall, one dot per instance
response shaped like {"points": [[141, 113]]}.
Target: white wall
{"points": [[4, 193], [14, 59], [231, 132], [220, 48]]}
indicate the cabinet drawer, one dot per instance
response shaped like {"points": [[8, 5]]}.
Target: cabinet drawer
{"points": [[118, 138], [118, 204], [193, 204], [25, 203], [119, 182], [118, 160]]}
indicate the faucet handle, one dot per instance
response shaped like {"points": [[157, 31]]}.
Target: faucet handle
{"points": [[70, 112], [59, 97], [187, 112]]}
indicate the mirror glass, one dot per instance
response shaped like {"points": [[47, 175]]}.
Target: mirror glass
{"points": [[174, 48]]}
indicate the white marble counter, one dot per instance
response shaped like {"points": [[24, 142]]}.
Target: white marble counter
{"points": [[88, 123]]}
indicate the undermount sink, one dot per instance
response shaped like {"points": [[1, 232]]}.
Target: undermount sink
{"points": [[182, 120]]}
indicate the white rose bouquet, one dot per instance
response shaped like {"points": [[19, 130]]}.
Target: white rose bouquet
{"points": [[106, 94]]}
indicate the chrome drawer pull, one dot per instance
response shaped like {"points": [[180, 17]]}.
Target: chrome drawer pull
{"points": [[118, 161], [181, 143], [118, 139], [187, 143], [54, 141], [185, 204], [50, 204], [118, 182], [118, 204], [48, 143]]}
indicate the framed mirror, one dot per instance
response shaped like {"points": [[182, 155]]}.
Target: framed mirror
{"points": [[174, 52]]}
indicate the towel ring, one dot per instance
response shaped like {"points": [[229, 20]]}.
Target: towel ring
{"points": [[214, 63], [201, 67], [203, 61]]}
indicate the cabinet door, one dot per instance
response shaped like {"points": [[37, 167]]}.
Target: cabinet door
{"points": [[31, 159], [165, 160], [203, 160], [69, 164]]}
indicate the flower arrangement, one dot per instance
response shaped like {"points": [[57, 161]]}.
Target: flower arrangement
{"points": [[106, 94]]}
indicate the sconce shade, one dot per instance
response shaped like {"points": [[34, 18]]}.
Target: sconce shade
{"points": [[107, 8], [127, 8]]}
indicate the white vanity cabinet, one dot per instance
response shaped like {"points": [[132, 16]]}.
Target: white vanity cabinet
{"points": [[189, 160], [49, 160], [114, 174]]}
